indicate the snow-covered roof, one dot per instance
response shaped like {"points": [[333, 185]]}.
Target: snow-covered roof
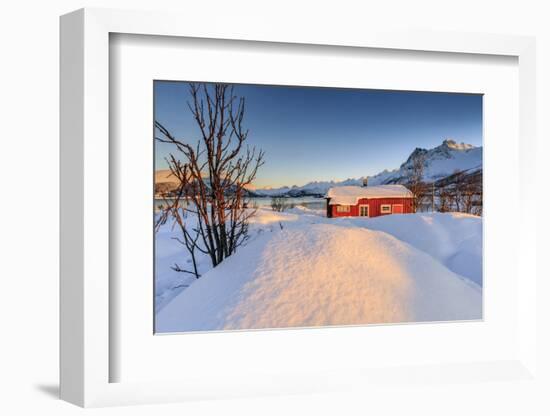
{"points": [[350, 195]]}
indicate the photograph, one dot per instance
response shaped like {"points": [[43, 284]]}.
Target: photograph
{"points": [[279, 206]]}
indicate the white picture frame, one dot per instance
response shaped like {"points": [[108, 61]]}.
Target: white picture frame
{"points": [[86, 333]]}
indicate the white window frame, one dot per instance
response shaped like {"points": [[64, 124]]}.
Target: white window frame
{"points": [[340, 209], [368, 210], [382, 206]]}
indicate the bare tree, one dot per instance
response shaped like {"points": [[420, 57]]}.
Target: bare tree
{"points": [[175, 208], [457, 185], [444, 199], [477, 204], [415, 179], [461, 191], [279, 204], [212, 173], [469, 192]]}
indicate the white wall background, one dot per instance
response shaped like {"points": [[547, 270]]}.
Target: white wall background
{"points": [[29, 56]]}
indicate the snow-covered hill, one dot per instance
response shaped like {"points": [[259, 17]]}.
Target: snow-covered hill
{"points": [[441, 161], [402, 268]]}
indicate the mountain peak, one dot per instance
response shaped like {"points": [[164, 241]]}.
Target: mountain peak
{"points": [[451, 144]]}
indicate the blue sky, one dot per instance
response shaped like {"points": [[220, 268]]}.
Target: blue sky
{"points": [[330, 134]]}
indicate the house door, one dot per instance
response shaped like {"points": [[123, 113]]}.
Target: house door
{"points": [[397, 209], [363, 210]]}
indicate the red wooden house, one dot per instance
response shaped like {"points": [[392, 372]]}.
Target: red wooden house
{"points": [[368, 201]]}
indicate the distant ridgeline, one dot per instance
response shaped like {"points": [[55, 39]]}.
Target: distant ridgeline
{"points": [[441, 165], [166, 185]]}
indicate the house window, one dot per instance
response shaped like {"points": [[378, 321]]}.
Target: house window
{"points": [[342, 208], [385, 209], [363, 210]]}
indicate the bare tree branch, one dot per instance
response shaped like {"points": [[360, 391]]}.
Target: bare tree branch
{"points": [[212, 175]]}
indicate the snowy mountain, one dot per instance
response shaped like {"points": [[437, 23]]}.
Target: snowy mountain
{"points": [[441, 161]]}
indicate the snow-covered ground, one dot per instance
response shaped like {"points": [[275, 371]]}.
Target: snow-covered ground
{"points": [[302, 269]]}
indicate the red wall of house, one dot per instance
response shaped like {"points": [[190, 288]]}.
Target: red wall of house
{"points": [[374, 207]]}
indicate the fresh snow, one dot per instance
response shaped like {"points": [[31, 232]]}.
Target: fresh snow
{"points": [[301, 269], [350, 195], [454, 239]]}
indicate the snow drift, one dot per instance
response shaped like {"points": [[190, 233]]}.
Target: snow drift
{"points": [[454, 239], [312, 273]]}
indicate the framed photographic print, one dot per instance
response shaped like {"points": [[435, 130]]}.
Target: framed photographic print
{"points": [[270, 212], [238, 210]]}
